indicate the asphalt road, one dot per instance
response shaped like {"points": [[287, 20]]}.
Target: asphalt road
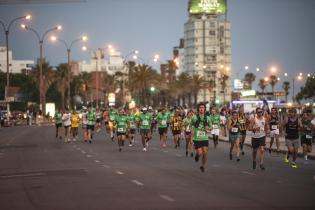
{"points": [[38, 171]]}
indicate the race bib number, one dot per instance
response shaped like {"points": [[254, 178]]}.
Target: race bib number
{"points": [[234, 130], [201, 133], [308, 136], [274, 127], [145, 122], [120, 129], [215, 126], [187, 129], [112, 118], [163, 122], [175, 124]]}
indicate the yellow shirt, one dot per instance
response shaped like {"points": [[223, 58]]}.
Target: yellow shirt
{"points": [[75, 120]]}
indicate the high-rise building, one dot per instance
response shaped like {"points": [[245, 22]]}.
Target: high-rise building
{"points": [[207, 48]]}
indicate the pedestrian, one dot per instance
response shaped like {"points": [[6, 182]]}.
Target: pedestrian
{"points": [[75, 121]]}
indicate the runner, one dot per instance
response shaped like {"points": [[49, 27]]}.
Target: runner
{"points": [[132, 127], [112, 115], [199, 132], [66, 119], [234, 134], [75, 121], [223, 121], [162, 119], [98, 120], [176, 124], [91, 119], [144, 122], [84, 124], [244, 122], [215, 122], [259, 127], [274, 127], [58, 123], [122, 125], [106, 120], [188, 137], [306, 134]]}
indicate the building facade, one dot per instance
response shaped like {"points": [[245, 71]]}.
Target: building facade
{"points": [[207, 49], [15, 66]]}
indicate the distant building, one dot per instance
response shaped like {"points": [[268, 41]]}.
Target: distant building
{"points": [[15, 66], [179, 57], [207, 47]]}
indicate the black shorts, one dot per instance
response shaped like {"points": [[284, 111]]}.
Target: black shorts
{"points": [[243, 133], [187, 133], [90, 127], [121, 134], [258, 142], [199, 144], [98, 120], [58, 125], [144, 131], [162, 131], [132, 131], [66, 126], [176, 132], [307, 141]]}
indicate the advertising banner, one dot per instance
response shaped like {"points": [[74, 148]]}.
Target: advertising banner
{"points": [[207, 6]]}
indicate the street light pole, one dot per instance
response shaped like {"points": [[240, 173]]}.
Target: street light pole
{"points": [[7, 32], [42, 98]]}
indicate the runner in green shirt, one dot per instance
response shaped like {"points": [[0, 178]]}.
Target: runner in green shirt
{"points": [[162, 119], [58, 123], [112, 115], [215, 122], [234, 135], [122, 124], [200, 136], [145, 120], [187, 127], [91, 119], [132, 126]]}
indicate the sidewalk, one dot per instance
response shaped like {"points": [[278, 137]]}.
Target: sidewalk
{"points": [[283, 147]]}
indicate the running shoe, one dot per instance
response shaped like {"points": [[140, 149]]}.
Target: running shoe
{"points": [[202, 169], [196, 157], [293, 165], [90, 141], [238, 160], [269, 150], [119, 149], [285, 159], [243, 153], [254, 164], [186, 153], [144, 149], [130, 145], [192, 154], [262, 167]]}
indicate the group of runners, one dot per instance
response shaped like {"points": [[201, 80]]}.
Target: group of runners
{"points": [[196, 128]]}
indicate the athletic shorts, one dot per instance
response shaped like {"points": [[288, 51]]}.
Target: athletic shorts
{"points": [[175, 132], [199, 144], [292, 143], [84, 126], [132, 131], [58, 125], [233, 137], [187, 133], [121, 134], [98, 120], [66, 126], [307, 141], [243, 133], [162, 131], [106, 122], [215, 131], [144, 131], [274, 133], [90, 127], [258, 142]]}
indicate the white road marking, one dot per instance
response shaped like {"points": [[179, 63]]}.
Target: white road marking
{"points": [[165, 151], [215, 165], [78, 148], [179, 155], [137, 182], [119, 172], [168, 198], [248, 173], [106, 166], [88, 156], [22, 175], [97, 161], [83, 152]]}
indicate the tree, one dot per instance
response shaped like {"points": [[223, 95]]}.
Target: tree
{"points": [[249, 78], [61, 80], [273, 81], [286, 87], [307, 91], [196, 85], [263, 84]]}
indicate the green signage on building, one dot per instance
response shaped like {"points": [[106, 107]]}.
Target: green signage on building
{"points": [[207, 6]]}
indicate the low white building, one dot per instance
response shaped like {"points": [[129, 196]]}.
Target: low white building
{"points": [[15, 66]]}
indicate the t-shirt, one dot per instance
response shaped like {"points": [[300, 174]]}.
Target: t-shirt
{"points": [[75, 120], [176, 123], [58, 118], [91, 117], [112, 115], [145, 121], [66, 118], [199, 131], [132, 121], [162, 119], [121, 123], [215, 121], [187, 124]]}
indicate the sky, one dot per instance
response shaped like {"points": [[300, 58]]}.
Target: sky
{"points": [[265, 33]]}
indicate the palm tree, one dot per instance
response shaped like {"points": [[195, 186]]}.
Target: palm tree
{"points": [[263, 84], [85, 84], [195, 86], [273, 81], [61, 79], [249, 78], [183, 89], [286, 87]]}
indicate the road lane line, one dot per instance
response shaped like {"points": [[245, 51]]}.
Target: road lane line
{"points": [[165, 151], [119, 172], [83, 152], [97, 161], [215, 165], [137, 182], [106, 166], [88, 156], [22, 175], [248, 173], [167, 198], [79, 148]]}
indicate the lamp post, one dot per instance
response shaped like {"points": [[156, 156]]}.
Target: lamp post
{"points": [[68, 48], [42, 98], [7, 32]]}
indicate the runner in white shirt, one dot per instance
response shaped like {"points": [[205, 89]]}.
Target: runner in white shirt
{"points": [[66, 119]]}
